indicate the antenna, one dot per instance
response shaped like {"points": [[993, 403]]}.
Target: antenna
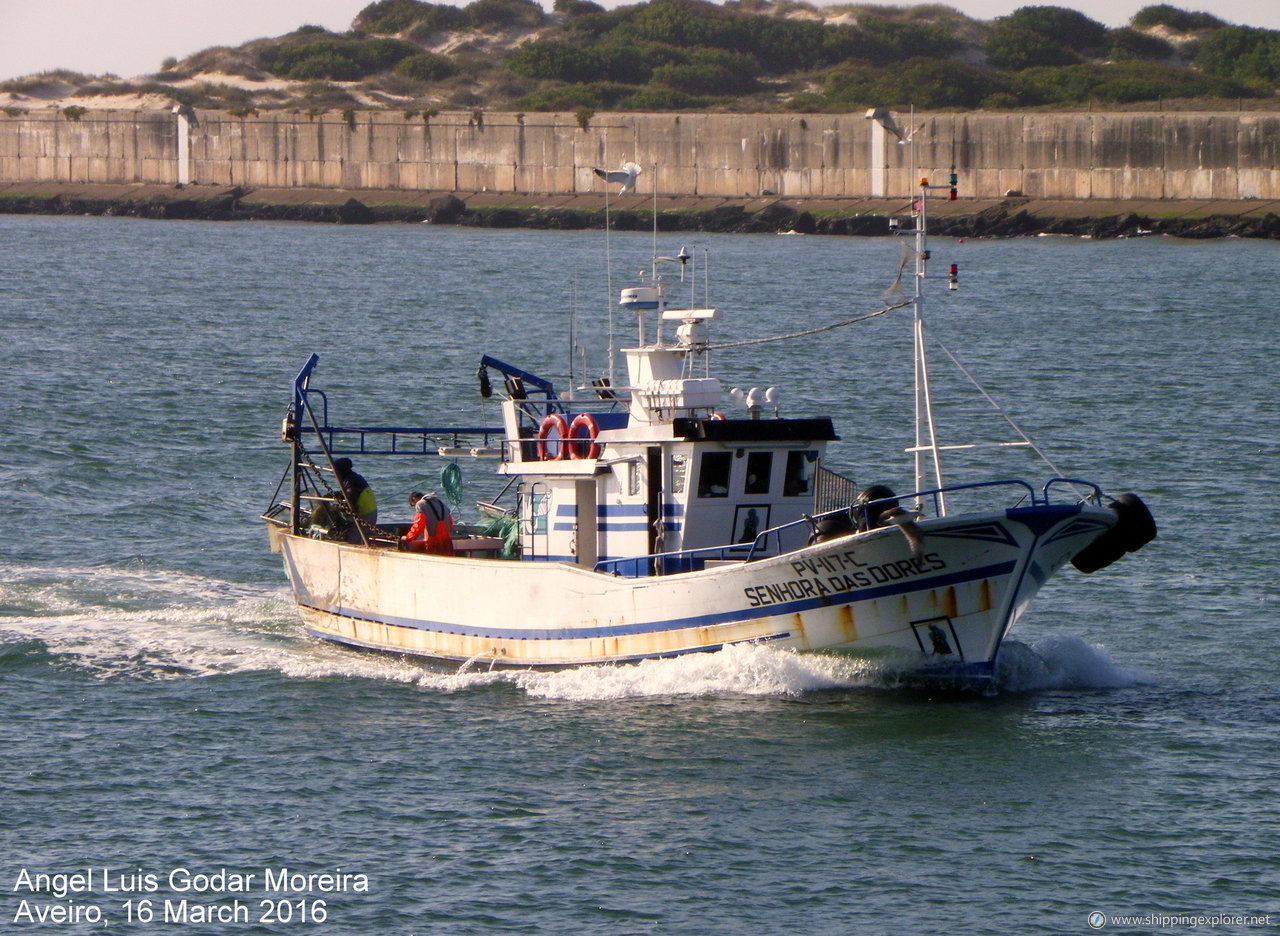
{"points": [[608, 266], [573, 330], [654, 167]]}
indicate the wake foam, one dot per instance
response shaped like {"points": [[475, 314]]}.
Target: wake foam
{"points": [[739, 670], [152, 624], [733, 671], [147, 624], [1057, 662], [1054, 663]]}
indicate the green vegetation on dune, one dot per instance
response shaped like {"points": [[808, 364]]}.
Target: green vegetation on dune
{"points": [[757, 55]]}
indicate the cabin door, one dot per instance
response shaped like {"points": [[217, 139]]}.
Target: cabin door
{"points": [[585, 534], [653, 470]]}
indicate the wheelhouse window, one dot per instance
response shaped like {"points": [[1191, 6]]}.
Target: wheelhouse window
{"points": [[541, 504], [759, 470], [713, 474], [799, 477], [679, 468]]}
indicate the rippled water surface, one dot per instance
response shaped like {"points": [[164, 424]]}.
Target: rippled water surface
{"points": [[163, 710]]}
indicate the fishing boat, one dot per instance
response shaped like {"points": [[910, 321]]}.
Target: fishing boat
{"points": [[668, 516]]}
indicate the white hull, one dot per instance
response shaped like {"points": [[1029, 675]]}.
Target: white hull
{"points": [[951, 606]]}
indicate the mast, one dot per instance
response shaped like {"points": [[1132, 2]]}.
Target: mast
{"points": [[926, 446], [926, 431]]}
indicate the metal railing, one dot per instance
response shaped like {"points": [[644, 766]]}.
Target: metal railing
{"points": [[688, 560]]}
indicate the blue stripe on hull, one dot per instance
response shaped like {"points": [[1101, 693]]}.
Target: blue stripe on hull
{"points": [[701, 620]]}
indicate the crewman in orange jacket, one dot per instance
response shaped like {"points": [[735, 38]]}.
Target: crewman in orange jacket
{"points": [[432, 529]]}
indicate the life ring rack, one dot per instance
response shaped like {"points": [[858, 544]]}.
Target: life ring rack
{"points": [[577, 443], [554, 421]]}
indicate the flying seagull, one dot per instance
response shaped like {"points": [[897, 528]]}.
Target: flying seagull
{"points": [[626, 176]]}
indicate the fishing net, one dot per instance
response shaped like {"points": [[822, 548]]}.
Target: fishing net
{"points": [[451, 483]]}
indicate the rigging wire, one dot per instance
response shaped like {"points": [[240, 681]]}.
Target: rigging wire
{"points": [[895, 292], [810, 331], [997, 407]]}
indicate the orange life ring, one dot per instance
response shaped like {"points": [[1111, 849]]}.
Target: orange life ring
{"points": [[554, 421], [716, 416], [576, 444]]}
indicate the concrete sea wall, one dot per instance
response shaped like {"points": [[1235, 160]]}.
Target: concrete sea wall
{"points": [[1154, 155]]}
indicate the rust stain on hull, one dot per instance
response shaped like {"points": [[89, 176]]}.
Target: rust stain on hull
{"points": [[848, 626], [950, 603]]}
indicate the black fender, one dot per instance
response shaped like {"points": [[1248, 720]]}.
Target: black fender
{"points": [[832, 526], [872, 506], [1133, 530]]}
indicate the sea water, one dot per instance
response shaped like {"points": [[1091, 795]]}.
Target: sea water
{"points": [[178, 757]]}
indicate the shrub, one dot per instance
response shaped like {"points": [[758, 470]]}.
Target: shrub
{"points": [[245, 60], [703, 79], [710, 71], [633, 62], [379, 55], [574, 8], [850, 84], [214, 95], [594, 96], [779, 45], [685, 23], [1013, 48], [426, 66], [1242, 53], [887, 42], [437, 18], [121, 88], [317, 62], [929, 83], [1178, 20], [1127, 45], [389, 16], [462, 98], [934, 83], [397, 85], [595, 25], [786, 45], [1067, 28], [1126, 82], [1001, 100], [553, 59], [504, 13], [663, 99], [320, 96], [613, 59], [336, 59], [45, 81], [243, 69]]}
